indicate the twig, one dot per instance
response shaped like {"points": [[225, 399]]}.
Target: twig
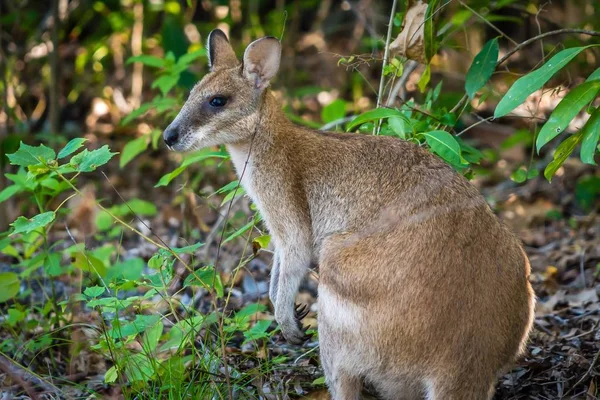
{"points": [[337, 122], [386, 54], [465, 98], [488, 23], [137, 80], [587, 374], [215, 230]]}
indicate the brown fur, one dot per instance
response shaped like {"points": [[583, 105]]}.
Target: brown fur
{"points": [[423, 292]]}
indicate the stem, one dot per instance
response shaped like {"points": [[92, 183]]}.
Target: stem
{"points": [[386, 54], [54, 72]]}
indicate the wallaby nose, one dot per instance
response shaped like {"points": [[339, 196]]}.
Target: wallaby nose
{"points": [[171, 135]]}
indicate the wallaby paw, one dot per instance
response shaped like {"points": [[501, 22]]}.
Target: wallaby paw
{"points": [[301, 311], [293, 333]]}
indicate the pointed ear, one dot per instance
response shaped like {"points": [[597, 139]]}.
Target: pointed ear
{"points": [[220, 52], [261, 61]]}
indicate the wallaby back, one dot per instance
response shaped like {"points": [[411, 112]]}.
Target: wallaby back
{"points": [[423, 292]]}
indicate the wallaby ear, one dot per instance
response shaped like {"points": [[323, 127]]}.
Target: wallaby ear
{"points": [[220, 52], [261, 61]]}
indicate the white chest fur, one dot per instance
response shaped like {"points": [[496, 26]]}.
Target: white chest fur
{"points": [[243, 167]]}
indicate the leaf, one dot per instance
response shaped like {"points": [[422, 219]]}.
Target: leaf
{"points": [[148, 60], [187, 58], [139, 325], [166, 83], [425, 78], [376, 114], [445, 145], [158, 104], [319, 381], [482, 68], [187, 249], [94, 291], [26, 225], [111, 375], [205, 277], [519, 176], [248, 311], [531, 82], [89, 263], [566, 110], [152, 337], [333, 111], [167, 178], [132, 149], [9, 286], [71, 147], [563, 151], [139, 207], [591, 134], [29, 155], [52, 264], [263, 241], [594, 75], [240, 231], [8, 192], [88, 161], [429, 31], [258, 331]]}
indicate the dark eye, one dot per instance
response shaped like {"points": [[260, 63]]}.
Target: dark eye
{"points": [[218, 101]]}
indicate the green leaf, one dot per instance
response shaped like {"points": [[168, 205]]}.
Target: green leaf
{"points": [[29, 155], [88, 161], [71, 147], [158, 104], [9, 192], [482, 68], [333, 111], [9, 286], [166, 83], [26, 225], [563, 151], [187, 249], [52, 264], [591, 134], [519, 176], [444, 145], [376, 114], [152, 337], [240, 231], [139, 325], [263, 241], [89, 263], [594, 75], [429, 31], [187, 58], [425, 78], [139, 207], [111, 375], [148, 60], [319, 381], [248, 311], [205, 277], [132, 149], [566, 110], [94, 291], [258, 331], [533, 81], [167, 178]]}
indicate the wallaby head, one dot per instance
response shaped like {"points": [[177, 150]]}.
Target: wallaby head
{"points": [[224, 107]]}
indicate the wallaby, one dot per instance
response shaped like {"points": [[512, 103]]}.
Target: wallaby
{"points": [[423, 293]]}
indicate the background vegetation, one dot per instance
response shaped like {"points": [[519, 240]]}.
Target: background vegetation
{"points": [[127, 271]]}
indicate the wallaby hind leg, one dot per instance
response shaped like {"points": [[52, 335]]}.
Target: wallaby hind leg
{"points": [[459, 389], [342, 385]]}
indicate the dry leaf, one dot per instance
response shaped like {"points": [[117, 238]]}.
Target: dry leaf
{"points": [[410, 42]]}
